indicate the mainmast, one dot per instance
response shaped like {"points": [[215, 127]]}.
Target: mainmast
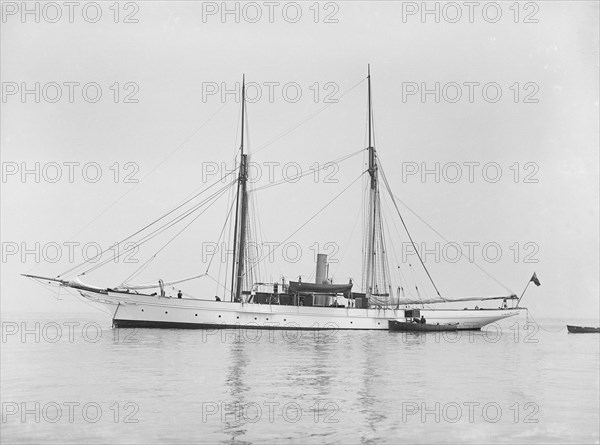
{"points": [[376, 280], [241, 212], [370, 281]]}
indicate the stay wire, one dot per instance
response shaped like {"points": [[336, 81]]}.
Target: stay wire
{"points": [[387, 185], [307, 221], [461, 253], [164, 227], [101, 254], [308, 172], [308, 118], [220, 235], [144, 177]]}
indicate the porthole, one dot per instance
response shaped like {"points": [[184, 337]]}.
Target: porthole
{"points": [[142, 310], [196, 315], [238, 317], [166, 312], [219, 316]]}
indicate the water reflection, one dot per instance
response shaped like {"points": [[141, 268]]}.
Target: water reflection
{"points": [[367, 376], [233, 412], [367, 392]]}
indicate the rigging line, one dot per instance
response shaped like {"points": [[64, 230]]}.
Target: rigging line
{"points": [[365, 224], [233, 199], [257, 233], [143, 242], [165, 225], [193, 194], [386, 227], [403, 278], [445, 239], [258, 228], [256, 214], [100, 308], [147, 174], [99, 255], [308, 221], [308, 118], [215, 196], [220, 235], [387, 280], [47, 287], [348, 242], [50, 288], [147, 263], [309, 275], [186, 201], [387, 186], [148, 237], [77, 297], [138, 270], [219, 284], [412, 272], [309, 171], [540, 326], [237, 133]]}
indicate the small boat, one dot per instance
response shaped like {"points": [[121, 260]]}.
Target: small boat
{"points": [[582, 330], [408, 326]]}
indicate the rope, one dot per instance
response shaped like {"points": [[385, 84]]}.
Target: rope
{"points": [[387, 185], [347, 243], [309, 171], [140, 181], [308, 118], [139, 270], [166, 226], [306, 222], [219, 284], [461, 253], [540, 326], [101, 254], [220, 235]]}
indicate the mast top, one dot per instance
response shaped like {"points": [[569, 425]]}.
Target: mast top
{"points": [[370, 118], [243, 110]]}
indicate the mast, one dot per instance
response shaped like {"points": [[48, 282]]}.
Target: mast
{"points": [[370, 275], [376, 254], [370, 111], [376, 271], [241, 211]]}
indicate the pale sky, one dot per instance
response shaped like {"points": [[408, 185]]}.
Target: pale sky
{"points": [[541, 135]]}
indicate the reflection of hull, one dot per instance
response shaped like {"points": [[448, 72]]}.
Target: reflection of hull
{"points": [[145, 311], [395, 325], [582, 330]]}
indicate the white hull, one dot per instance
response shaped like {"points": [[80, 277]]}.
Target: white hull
{"points": [[137, 310]]}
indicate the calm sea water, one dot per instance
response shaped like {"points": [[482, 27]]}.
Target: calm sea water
{"points": [[88, 383]]}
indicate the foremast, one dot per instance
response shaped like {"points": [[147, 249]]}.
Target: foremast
{"points": [[241, 213]]}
